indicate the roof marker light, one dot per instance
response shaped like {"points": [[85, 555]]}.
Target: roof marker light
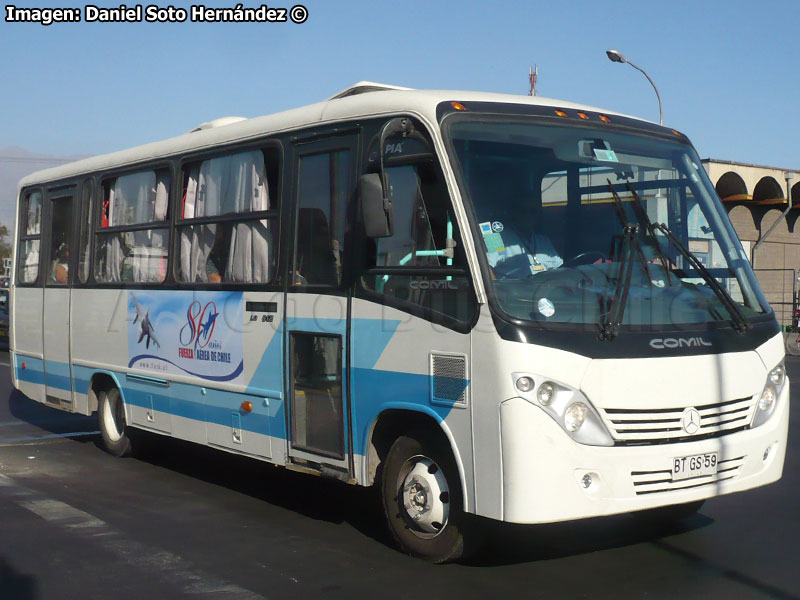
{"points": [[677, 132], [583, 116], [604, 119], [458, 106], [561, 113]]}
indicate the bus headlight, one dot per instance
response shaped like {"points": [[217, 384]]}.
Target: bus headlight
{"points": [[777, 376], [524, 384], [776, 379], [568, 407], [767, 399], [545, 394], [574, 416]]}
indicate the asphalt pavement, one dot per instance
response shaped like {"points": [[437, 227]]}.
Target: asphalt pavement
{"points": [[186, 521]]}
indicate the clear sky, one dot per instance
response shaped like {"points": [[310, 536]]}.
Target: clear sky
{"points": [[728, 70]]}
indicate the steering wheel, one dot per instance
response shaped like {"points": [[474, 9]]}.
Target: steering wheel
{"points": [[585, 258], [514, 267]]}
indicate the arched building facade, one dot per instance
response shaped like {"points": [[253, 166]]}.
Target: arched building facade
{"points": [[755, 198]]}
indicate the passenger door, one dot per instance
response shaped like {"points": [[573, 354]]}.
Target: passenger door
{"points": [[318, 304], [57, 278]]}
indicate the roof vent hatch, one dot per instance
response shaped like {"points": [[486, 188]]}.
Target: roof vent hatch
{"points": [[221, 122], [363, 87]]}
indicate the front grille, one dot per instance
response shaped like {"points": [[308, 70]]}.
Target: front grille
{"points": [[631, 426], [655, 482]]}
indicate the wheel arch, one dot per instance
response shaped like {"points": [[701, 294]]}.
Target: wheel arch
{"points": [[103, 380], [397, 419]]}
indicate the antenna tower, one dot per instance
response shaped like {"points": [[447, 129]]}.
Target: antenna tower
{"points": [[533, 77]]}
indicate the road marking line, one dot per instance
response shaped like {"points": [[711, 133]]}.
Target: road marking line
{"points": [[49, 436], [169, 567], [39, 423], [53, 510], [23, 444], [5, 364]]}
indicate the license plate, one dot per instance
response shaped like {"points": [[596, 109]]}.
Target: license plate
{"points": [[697, 465]]}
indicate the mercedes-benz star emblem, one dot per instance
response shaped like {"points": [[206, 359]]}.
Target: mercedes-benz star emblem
{"points": [[691, 420]]}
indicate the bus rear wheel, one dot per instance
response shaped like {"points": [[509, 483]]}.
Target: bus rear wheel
{"points": [[111, 415], [421, 498]]}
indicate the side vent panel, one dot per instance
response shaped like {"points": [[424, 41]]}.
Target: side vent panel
{"points": [[449, 379]]}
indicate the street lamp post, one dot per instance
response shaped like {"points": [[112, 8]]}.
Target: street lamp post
{"points": [[616, 56]]}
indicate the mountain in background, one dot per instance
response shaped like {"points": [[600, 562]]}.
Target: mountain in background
{"points": [[16, 163]]}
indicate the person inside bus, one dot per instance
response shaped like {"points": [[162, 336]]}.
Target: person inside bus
{"points": [[516, 249], [60, 269], [212, 271], [217, 257], [509, 210]]}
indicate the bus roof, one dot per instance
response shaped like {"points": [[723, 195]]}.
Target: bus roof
{"points": [[364, 99]]}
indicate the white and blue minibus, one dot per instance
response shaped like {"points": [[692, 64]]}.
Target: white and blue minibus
{"points": [[505, 306]]}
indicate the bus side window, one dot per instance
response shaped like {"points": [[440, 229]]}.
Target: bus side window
{"points": [[61, 225], [30, 238], [425, 234], [322, 196], [239, 190], [138, 254]]}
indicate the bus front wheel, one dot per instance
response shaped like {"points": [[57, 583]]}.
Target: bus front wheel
{"points": [[422, 499], [111, 414]]}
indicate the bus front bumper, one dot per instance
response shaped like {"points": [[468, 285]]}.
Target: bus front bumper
{"points": [[545, 471]]}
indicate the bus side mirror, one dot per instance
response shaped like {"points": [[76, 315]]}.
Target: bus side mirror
{"points": [[374, 190], [376, 211]]}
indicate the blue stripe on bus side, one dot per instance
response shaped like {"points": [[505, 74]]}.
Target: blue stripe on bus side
{"points": [[57, 375], [373, 337], [188, 401], [33, 371], [374, 391], [83, 375], [81, 379]]}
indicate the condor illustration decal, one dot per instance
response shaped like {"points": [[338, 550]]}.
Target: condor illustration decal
{"points": [[186, 333]]}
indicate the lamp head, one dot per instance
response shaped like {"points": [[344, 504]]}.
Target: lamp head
{"points": [[615, 56]]}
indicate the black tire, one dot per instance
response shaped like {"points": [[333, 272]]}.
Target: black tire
{"points": [[412, 456], [113, 427], [674, 512]]}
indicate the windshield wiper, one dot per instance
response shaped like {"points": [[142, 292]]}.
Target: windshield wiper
{"points": [[647, 225], [630, 249], [740, 323], [610, 327]]}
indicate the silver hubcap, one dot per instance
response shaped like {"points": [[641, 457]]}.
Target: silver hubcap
{"points": [[425, 496]]}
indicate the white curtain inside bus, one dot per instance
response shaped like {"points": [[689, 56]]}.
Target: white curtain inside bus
{"points": [[137, 255], [222, 186]]}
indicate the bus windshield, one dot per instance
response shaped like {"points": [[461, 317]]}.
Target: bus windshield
{"points": [[581, 223]]}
